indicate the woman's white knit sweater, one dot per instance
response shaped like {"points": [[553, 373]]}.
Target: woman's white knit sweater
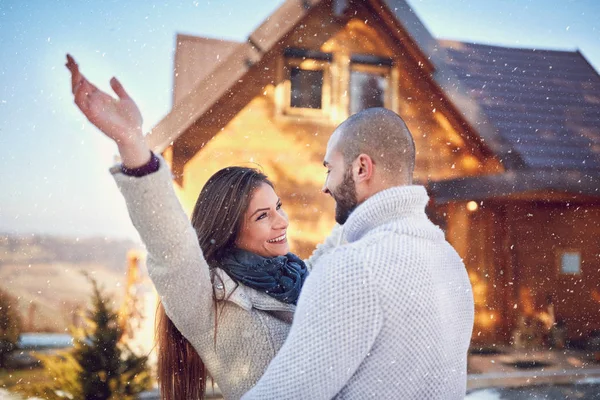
{"points": [[387, 316], [252, 326]]}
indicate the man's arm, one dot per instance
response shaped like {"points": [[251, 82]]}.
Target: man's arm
{"points": [[335, 325]]}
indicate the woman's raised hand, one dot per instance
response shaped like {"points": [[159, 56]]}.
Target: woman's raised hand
{"points": [[119, 119]]}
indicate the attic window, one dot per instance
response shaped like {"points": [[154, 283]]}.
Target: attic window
{"points": [[369, 82], [307, 89]]}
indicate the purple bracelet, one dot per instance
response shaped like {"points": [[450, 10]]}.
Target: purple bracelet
{"points": [[150, 167]]}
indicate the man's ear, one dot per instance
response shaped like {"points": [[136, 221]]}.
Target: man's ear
{"points": [[363, 168]]}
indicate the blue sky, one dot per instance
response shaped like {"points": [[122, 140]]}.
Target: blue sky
{"points": [[53, 164]]}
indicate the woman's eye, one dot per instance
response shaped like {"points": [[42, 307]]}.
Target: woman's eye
{"points": [[261, 216], [279, 206]]}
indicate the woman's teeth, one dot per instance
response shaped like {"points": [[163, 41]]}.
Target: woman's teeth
{"points": [[277, 239]]}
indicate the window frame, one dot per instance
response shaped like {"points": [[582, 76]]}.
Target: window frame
{"points": [[559, 260]]}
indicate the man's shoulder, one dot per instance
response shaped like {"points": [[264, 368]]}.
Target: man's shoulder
{"points": [[383, 240], [360, 254]]}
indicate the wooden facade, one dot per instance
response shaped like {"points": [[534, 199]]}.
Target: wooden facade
{"points": [[238, 110]]}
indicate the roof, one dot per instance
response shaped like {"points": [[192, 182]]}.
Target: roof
{"points": [[544, 103], [513, 182], [195, 58], [435, 59]]}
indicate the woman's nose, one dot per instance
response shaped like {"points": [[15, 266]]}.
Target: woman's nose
{"points": [[282, 221]]}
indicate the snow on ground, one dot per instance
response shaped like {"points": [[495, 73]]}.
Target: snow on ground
{"points": [[485, 394]]}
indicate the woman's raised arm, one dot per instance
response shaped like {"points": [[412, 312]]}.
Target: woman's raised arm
{"points": [[176, 264]]}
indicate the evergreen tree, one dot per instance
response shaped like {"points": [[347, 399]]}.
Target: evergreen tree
{"points": [[100, 366], [10, 325]]}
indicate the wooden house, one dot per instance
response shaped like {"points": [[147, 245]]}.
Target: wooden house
{"points": [[508, 142]]}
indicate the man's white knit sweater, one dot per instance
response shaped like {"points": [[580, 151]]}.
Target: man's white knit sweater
{"points": [[388, 315]]}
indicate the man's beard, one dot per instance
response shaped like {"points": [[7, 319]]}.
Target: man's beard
{"points": [[345, 198]]}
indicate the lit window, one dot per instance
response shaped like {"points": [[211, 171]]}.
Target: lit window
{"points": [[367, 90], [570, 263], [369, 83]]}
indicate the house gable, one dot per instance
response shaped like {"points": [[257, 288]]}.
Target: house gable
{"points": [[447, 146]]}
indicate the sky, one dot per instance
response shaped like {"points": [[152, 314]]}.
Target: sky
{"points": [[54, 165]]}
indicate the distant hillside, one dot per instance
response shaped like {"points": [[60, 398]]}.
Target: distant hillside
{"points": [[47, 249], [51, 295], [44, 273]]}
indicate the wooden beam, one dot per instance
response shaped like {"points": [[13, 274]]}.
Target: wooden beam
{"points": [[370, 59], [280, 23], [295, 52], [514, 182]]}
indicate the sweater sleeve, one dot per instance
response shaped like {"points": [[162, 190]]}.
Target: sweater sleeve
{"points": [[331, 242], [176, 264], [335, 325]]}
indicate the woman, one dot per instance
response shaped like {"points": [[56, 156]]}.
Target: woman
{"points": [[227, 282]]}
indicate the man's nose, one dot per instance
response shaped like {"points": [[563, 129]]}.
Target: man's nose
{"points": [[324, 189]]}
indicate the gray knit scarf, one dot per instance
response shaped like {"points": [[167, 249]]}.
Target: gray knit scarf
{"points": [[280, 277]]}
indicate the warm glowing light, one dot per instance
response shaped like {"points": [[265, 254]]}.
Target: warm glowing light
{"points": [[472, 206], [486, 319], [470, 162]]}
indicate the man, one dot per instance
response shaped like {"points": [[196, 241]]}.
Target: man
{"points": [[388, 315]]}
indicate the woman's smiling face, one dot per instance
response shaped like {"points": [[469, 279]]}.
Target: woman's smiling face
{"points": [[264, 227]]}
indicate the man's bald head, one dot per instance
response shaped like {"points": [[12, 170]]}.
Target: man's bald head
{"points": [[382, 135]]}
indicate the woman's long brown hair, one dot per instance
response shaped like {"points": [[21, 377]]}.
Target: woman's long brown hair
{"points": [[217, 219]]}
